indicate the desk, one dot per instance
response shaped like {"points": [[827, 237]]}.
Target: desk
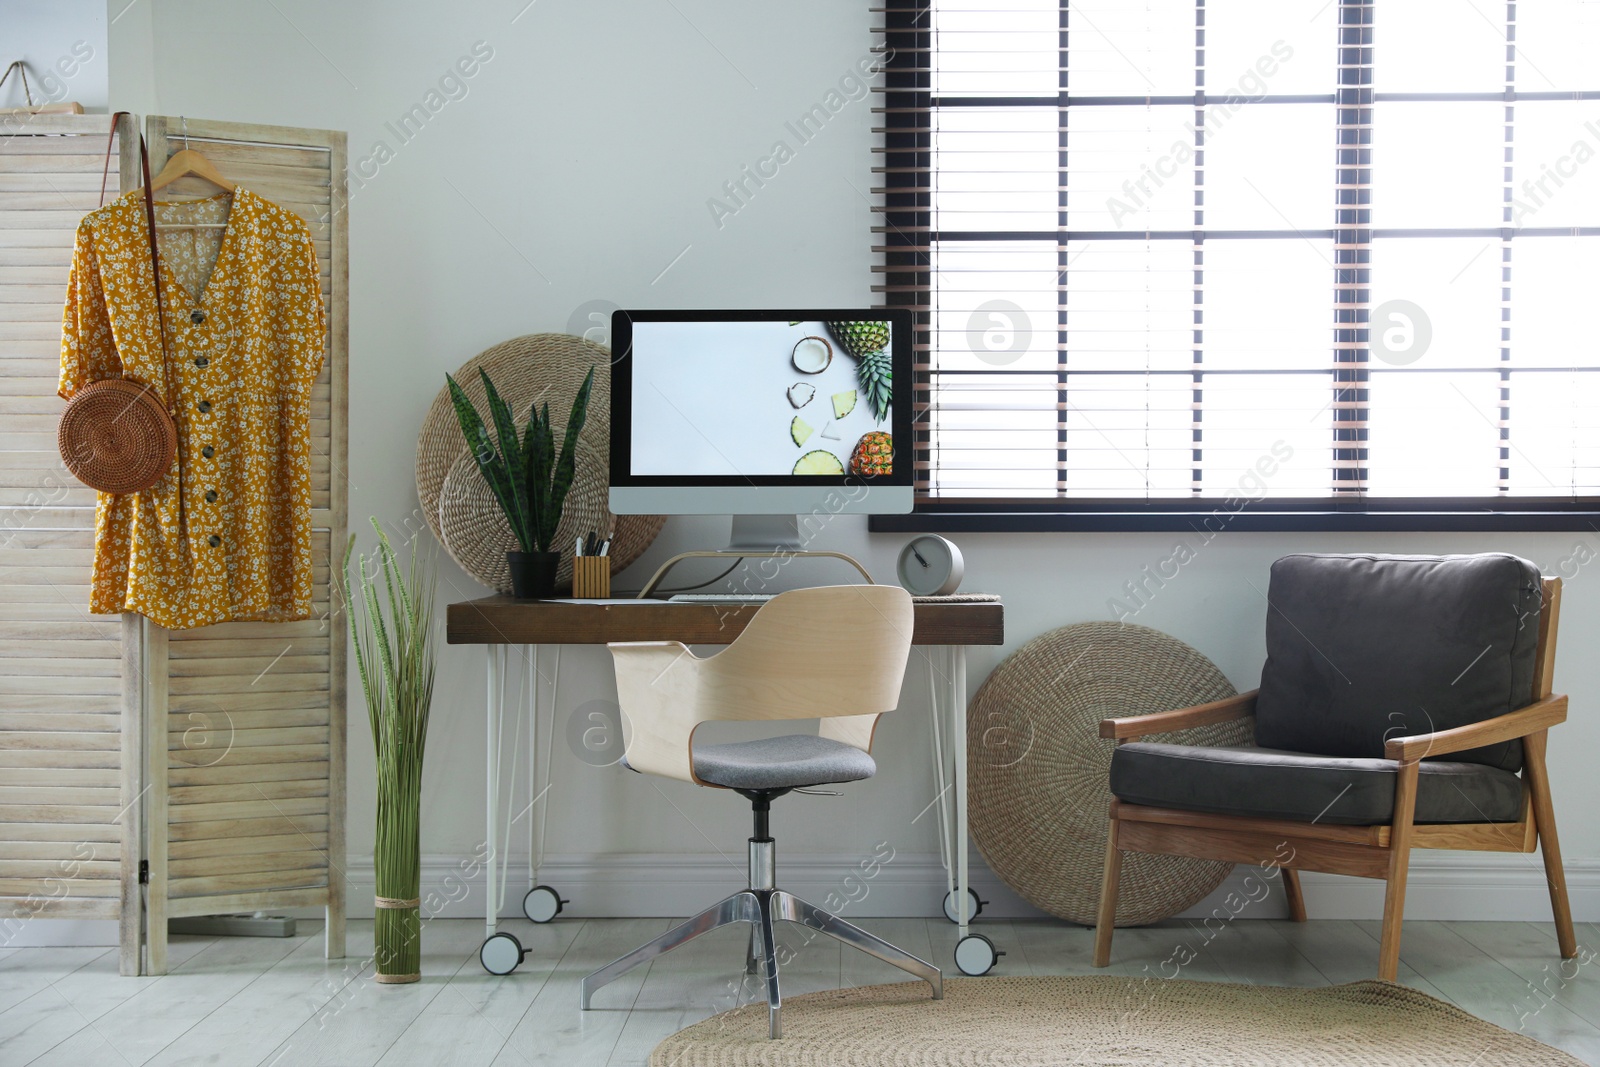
{"points": [[943, 630]]}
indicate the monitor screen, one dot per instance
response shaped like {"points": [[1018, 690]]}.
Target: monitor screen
{"points": [[761, 398]]}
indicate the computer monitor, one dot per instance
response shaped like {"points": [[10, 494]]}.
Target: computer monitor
{"points": [[761, 414]]}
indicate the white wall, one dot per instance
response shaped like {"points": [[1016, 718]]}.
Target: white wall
{"points": [[63, 42], [577, 168]]}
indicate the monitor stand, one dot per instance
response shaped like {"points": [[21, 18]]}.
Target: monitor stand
{"points": [[762, 533], [759, 537]]}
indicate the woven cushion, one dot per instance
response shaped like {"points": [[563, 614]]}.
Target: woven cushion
{"points": [[1270, 784], [782, 762], [1361, 648]]}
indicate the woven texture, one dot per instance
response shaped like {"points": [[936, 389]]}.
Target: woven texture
{"points": [[459, 506], [1038, 769], [1102, 1020], [116, 436]]}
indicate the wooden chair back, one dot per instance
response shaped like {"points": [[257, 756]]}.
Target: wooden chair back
{"points": [[837, 653], [1544, 660], [828, 651]]}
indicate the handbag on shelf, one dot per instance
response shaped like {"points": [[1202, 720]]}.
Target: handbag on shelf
{"points": [[118, 435]]}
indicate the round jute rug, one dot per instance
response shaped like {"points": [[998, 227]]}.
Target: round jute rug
{"points": [[1108, 1020]]}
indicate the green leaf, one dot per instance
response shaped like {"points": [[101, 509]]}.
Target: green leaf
{"points": [[566, 466], [511, 451], [490, 464], [541, 460]]}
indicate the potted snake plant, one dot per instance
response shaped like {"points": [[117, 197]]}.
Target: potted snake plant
{"points": [[527, 476]]}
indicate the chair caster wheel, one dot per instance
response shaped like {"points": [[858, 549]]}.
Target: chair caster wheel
{"points": [[952, 900], [501, 953], [541, 904], [976, 955]]}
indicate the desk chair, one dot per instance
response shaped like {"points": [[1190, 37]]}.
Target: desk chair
{"points": [[838, 652], [1400, 699]]}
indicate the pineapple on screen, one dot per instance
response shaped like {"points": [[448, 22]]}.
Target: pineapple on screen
{"points": [[868, 344], [874, 454]]}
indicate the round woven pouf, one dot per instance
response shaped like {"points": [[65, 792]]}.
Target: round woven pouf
{"points": [[1038, 769], [458, 505]]}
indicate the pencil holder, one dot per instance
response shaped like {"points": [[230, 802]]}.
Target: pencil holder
{"points": [[591, 577]]}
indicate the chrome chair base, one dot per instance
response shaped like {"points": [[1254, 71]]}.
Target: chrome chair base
{"points": [[761, 908]]}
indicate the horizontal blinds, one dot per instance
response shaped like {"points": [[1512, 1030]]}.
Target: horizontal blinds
{"points": [[1153, 248]]}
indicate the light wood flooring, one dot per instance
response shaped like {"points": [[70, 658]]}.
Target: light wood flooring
{"points": [[248, 1001]]}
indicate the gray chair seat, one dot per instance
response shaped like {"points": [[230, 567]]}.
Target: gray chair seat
{"points": [[1274, 784], [782, 762]]}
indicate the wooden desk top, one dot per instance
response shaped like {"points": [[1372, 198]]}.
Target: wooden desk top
{"points": [[502, 620]]}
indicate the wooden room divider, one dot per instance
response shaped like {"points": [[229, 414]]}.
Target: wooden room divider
{"points": [[147, 774], [70, 732]]}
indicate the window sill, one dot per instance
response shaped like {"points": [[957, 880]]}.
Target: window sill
{"points": [[1390, 517]]}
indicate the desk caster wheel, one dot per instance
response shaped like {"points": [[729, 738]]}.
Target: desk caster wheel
{"points": [[952, 900], [542, 904], [501, 953], [976, 955]]}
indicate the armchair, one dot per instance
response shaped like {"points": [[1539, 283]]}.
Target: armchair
{"points": [[1405, 704]]}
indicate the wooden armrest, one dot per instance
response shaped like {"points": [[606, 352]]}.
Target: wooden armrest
{"points": [[1537, 716], [1239, 707]]}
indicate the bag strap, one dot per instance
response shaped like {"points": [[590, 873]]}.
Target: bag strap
{"points": [[155, 257]]}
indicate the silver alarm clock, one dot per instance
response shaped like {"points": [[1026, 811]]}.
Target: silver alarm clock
{"points": [[929, 565]]}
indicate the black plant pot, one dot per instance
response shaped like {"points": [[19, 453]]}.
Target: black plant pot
{"points": [[533, 574]]}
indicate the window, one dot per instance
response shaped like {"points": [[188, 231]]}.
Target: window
{"points": [[1310, 263]]}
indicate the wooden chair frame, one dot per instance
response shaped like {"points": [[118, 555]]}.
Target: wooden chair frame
{"points": [[768, 673], [1364, 851]]}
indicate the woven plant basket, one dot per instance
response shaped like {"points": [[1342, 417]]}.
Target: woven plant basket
{"points": [[460, 508], [1038, 769]]}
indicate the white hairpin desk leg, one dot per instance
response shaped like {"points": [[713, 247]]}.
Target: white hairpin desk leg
{"points": [[958, 742], [975, 954], [540, 903], [496, 658]]}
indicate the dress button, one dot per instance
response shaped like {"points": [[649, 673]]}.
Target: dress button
{"points": [[204, 406], [197, 316], [213, 540], [211, 496], [201, 361], [208, 451]]}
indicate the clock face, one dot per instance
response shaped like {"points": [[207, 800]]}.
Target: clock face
{"points": [[930, 566]]}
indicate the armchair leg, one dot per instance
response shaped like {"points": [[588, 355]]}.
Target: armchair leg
{"points": [[1394, 898], [1544, 817], [1297, 899], [1106, 920]]}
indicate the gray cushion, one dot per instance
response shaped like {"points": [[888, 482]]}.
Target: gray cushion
{"points": [[1361, 648], [782, 762], [1290, 785]]}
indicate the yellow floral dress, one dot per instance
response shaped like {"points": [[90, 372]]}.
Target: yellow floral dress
{"points": [[226, 533]]}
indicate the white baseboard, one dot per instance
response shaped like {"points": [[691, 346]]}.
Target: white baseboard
{"points": [[1508, 887], [1505, 887], [61, 933]]}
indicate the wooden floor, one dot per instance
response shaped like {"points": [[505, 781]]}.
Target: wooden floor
{"points": [[244, 1001]]}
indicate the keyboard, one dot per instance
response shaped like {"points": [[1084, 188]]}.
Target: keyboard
{"points": [[719, 598]]}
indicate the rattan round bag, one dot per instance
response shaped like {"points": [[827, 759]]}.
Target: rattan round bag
{"points": [[1038, 768], [117, 436]]}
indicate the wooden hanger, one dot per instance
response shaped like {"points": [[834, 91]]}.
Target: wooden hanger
{"points": [[191, 164]]}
